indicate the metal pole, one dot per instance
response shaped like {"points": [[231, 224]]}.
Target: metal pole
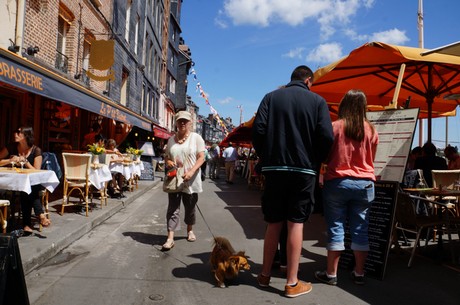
{"points": [[420, 45]]}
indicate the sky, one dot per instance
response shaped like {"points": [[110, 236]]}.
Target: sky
{"points": [[243, 49]]}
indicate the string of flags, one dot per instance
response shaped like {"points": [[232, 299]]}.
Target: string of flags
{"points": [[212, 109]]}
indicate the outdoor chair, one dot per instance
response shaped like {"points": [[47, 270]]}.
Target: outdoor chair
{"points": [[407, 220], [4, 204], [76, 179], [448, 179]]}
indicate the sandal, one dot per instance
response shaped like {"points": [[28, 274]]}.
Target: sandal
{"points": [[168, 244], [45, 222], [190, 236]]}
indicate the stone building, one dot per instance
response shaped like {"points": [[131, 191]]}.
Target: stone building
{"points": [[50, 80]]}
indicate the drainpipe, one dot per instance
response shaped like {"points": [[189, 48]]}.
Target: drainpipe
{"points": [[20, 21]]}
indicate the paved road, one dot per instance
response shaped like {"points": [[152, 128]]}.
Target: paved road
{"points": [[120, 262]]}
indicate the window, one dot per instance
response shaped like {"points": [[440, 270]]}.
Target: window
{"points": [[136, 33], [128, 18], [124, 87], [172, 85], [143, 99], [85, 61], [62, 60]]}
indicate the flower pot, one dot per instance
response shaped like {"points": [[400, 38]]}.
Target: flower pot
{"points": [[95, 159]]}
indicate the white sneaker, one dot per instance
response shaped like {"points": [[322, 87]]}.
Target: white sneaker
{"points": [[168, 244]]}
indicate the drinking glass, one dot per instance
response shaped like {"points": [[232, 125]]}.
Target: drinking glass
{"points": [[12, 164], [22, 162]]}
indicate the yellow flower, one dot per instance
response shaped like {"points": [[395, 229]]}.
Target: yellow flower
{"points": [[96, 149]]}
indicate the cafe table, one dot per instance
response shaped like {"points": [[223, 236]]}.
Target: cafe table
{"points": [[16, 179], [99, 176]]}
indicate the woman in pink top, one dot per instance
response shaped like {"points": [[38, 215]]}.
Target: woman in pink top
{"points": [[349, 185]]}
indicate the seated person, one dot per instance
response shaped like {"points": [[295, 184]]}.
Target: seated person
{"points": [[115, 187], [429, 161], [452, 155], [413, 155], [23, 149]]}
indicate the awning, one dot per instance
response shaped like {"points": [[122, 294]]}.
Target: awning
{"points": [[160, 133], [19, 72]]}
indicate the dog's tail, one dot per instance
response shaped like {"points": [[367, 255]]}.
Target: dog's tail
{"points": [[223, 243]]}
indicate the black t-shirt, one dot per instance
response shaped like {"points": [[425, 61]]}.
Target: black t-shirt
{"points": [[13, 151]]}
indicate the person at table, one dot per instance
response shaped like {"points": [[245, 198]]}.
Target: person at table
{"points": [[349, 186], [452, 156], [413, 155], [115, 187], [90, 137], [185, 152], [23, 149], [429, 161]]}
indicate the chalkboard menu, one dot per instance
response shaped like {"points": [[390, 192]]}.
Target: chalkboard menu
{"points": [[149, 168], [381, 218]]}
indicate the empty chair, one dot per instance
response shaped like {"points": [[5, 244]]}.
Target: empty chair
{"points": [[448, 179], [76, 178], [4, 204]]}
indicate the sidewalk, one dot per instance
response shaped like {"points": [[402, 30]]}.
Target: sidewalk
{"points": [[65, 229]]}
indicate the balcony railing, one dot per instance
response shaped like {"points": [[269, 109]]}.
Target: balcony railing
{"points": [[62, 62]]}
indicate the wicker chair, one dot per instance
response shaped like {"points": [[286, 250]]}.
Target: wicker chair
{"points": [[76, 178]]}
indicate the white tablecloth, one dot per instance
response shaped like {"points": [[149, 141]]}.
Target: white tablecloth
{"points": [[99, 174], [127, 169], [22, 180]]}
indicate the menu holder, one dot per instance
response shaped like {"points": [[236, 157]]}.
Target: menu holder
{"points": [[381, 220]]}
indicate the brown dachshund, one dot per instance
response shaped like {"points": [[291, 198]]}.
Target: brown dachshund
{"points": [[225, 262]]}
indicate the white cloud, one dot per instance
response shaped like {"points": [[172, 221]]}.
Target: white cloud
{"points": [[294, 53], [393, 36], [225, 101], [325, 53], [219, 20], [330, 14]]}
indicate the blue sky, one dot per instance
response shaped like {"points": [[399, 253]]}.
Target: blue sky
{"points": [[243, 49]]}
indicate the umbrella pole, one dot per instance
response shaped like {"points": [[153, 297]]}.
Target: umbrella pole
{"points": [[430, 109], [394, 103]]}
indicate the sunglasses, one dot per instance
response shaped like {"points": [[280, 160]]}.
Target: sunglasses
{"points": [[18, 131]]}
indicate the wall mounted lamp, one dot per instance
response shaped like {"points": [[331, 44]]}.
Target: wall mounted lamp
{"points": [[13, 47], [32, 50]]}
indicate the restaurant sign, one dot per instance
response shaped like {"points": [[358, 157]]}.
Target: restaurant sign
{"points": [[33, 78]]}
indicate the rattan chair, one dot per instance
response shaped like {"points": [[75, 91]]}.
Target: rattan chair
{"points": [[448, 179], [4, 204], [76, 178]]}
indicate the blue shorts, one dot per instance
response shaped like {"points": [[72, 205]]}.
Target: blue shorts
{"points": [[288, 196], [347, 199]]}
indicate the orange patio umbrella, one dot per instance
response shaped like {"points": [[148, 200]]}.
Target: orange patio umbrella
{"points": [[241, 135], [375, 67]]}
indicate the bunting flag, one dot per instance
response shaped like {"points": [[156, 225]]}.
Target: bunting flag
{"points": [[199, 88]]}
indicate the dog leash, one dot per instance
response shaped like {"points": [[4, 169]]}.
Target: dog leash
{"points": [[204, 219]]}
